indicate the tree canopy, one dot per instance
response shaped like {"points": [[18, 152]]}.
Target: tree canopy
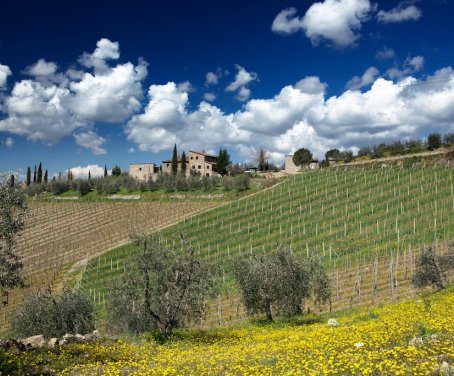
{"points": [[13, 208], [302, 156], [174, 163], [222, 162]]}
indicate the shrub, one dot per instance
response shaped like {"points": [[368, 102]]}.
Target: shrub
{"points": [[83, 186], [58, 187], [162, 289], [227, 182], [431, 268], [169, 182], [241, 182], [194, 182], [181, 183], [206, 184], [279, 281], [54, 315], [434, 141]]}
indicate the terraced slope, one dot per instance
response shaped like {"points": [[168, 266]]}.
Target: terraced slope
{"points": [[60, 234], [366, 223]]}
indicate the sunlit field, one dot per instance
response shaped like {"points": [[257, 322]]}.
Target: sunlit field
{"points": [[407, 338]]}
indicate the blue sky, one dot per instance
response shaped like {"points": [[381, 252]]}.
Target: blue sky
{"points": [[104, 83]]}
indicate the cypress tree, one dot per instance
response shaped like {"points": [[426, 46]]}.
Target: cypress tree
{"points": [[29, 176], [39, 177], [174, 160], [183, 163], [222, 162], [12, 181], [89, 175], [46, 177], [34, 175], [105, 171]]}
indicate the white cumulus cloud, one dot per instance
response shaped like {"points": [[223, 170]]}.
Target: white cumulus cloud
{"points": [[5, 71], [242, 79], [404, 11], [53, 105], [105, 50], [385, 53], [210, 97], [81, 172], [366, 79], [286, 22], [91, 140], [42, 68], [300, 115], [337, 21]]}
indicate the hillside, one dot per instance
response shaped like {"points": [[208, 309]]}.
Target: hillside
{"points": [[409, 338], [368, 225], [60, 236]]}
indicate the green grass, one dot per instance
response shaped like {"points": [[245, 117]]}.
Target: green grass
{"points": [[341, 214]]}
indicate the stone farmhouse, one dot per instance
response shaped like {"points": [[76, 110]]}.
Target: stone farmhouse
{"points": [[291, 168], [143, 171], [199, 163]]}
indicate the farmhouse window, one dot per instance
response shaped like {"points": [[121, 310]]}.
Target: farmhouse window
{"points": [[196, 157], [208, 167], [200, 167], [140, 168]]}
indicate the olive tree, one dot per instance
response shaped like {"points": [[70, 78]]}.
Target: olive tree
{"points": [[273, 283], [54, 315], [13, 208], [162, 289], [431, 268]]}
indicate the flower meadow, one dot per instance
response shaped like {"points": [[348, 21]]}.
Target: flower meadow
{"points": [[413, 337]]}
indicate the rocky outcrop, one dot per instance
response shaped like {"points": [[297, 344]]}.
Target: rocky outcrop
{"points": [[39, 341]]}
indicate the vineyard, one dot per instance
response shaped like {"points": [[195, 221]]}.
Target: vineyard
{"points": [[60, 236], [368, 225]]}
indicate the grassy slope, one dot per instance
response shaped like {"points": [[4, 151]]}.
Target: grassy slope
{"points": [[343, 214]]}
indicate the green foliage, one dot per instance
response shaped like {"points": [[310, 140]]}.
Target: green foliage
{"points": [[13, 208], [448, 139], [183, 163], [55, 315], [174, 164], [434, 141], [223, 162], [116, 171], [83, 187], [241, 182], [279, 281], [9, 365], [161, 289], [333, 154], [346, 155], [431, 268], [324, 163], [29, 176], [302, 156], [261, 159], [39, 175], [320, 284], [58, 187], [209, 184]]}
